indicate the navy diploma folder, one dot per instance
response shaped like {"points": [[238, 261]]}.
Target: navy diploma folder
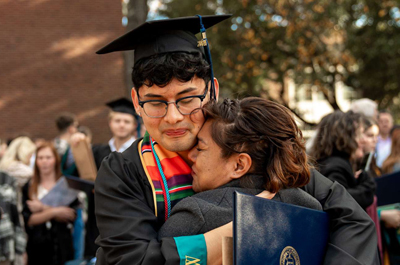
{"points": [[388, 189], [270, 232]]}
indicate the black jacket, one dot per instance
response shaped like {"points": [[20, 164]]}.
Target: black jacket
{"points": [[338, 168], [129, 229], [211, 209]]}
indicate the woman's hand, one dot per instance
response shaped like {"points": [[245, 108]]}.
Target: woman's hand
{"points": [[64, 214], [266, 195], [35, 205], [391, 218]]}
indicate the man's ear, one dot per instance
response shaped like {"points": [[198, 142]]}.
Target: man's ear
{"points": [[216, 88], [243, 165], [135, 100]]}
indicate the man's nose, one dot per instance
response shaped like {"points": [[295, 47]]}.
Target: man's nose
{"points": [[173, 115]]}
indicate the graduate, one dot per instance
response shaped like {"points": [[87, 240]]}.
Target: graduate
{"points": [[136, 190], [122, 121]]}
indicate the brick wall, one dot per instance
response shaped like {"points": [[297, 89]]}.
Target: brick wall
{"points": [[48, 64]]}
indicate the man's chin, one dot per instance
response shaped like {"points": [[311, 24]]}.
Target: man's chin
{"points": [[178, 145]]}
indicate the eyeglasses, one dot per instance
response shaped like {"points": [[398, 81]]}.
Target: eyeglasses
{"points": [[185, 105]]}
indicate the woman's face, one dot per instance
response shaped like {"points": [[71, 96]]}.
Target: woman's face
{"points": [[371, 138], [360, 139], [209, 169], [45, 161]]}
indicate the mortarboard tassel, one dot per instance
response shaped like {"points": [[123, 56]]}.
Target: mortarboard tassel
{"points": [[204, 43]]}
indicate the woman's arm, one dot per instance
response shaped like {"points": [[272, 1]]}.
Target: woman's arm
{"points": [[214, 243], [60, 214]]}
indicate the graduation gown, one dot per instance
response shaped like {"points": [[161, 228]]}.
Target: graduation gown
{"points": [[129, 228], [100, 151]]}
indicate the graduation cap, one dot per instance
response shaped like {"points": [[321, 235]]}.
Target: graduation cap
{"points": [[122, 105], [167, 36]]}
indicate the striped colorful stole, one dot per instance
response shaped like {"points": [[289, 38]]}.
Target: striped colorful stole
{"points": [[178, 180]]}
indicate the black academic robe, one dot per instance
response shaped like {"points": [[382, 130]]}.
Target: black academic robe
{"points": [[129, 228], [100, 151]]}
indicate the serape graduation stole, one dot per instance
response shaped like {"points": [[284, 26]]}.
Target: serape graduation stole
{"points": [[169, 173]]}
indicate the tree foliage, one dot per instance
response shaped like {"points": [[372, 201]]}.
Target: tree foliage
{"points": [[374, 40], [317, 42]]}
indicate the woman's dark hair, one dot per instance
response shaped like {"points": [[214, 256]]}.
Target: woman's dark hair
{"points": [[268, 133], [160, 69], [336, 133]]}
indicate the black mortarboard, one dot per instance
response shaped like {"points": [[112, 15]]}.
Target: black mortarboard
{"points": [[168, 35], [122, 105], [162, 36]]}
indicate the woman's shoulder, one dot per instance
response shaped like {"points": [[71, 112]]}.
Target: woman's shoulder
{"points": [[334, 164], [298, 197]]}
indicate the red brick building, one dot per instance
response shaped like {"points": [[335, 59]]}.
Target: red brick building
{"points": [[48, 65]]}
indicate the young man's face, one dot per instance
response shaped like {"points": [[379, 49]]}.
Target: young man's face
{"points": [[174, 131], [385, 123], [122, 125]]}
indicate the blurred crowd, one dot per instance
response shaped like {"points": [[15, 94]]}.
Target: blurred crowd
{"points": [[351, 148], [32, 232]]}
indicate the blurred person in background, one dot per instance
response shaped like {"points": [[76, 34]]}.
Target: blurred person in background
{"points": [[391, 217], [392, 163], [67, 124], [3, 148], [371, 139], [367, 107], [12, 236], [16, 159], [383, 147], [49, 228], [122, 122], [338, 148]]}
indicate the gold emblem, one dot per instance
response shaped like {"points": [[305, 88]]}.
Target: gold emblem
{"points": [[289, 256], [191, 261], [203, 42]]}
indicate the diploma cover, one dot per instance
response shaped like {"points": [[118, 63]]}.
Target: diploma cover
{"points": [[84, 160], [60, 194], [270, 232]]}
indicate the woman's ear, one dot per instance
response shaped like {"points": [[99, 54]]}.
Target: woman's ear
{"points": [[243, 165]]}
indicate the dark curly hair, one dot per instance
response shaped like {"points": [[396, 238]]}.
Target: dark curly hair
{"points": [[268, 133], [160, 69], [336, 134]]}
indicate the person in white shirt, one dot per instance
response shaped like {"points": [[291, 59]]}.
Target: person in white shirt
{"points": [[383, 147]]}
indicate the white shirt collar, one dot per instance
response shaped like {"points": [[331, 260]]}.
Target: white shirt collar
{"points": [[123, 147]]}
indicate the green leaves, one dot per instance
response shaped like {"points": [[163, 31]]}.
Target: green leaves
{"points": [[313, 42]]}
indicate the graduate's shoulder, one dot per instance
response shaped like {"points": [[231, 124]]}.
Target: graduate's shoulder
{"points": [[126, 165]]}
